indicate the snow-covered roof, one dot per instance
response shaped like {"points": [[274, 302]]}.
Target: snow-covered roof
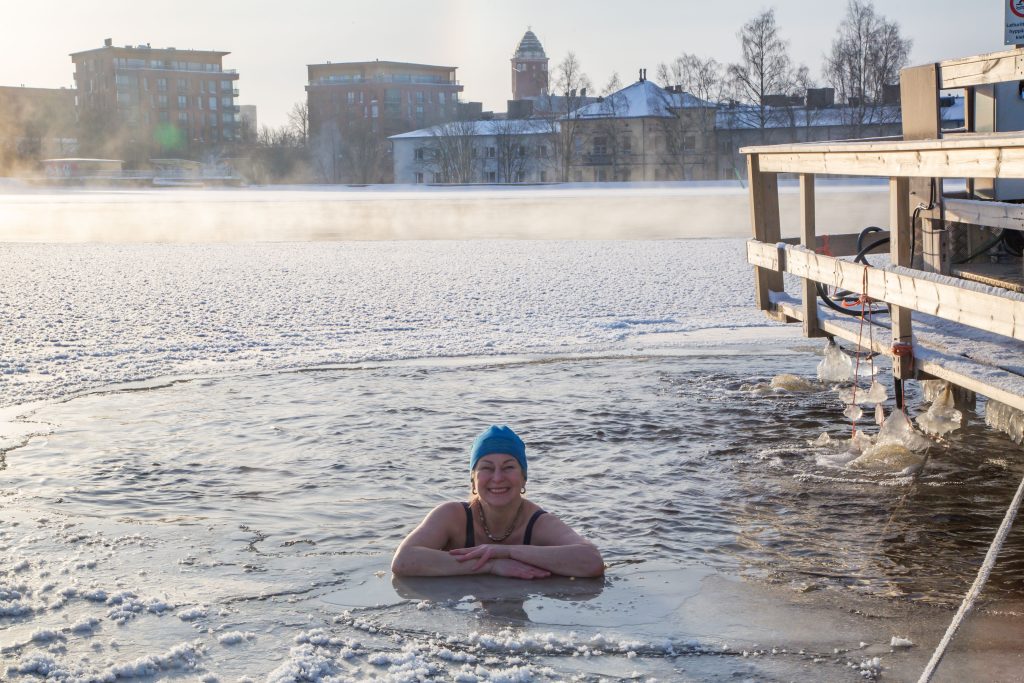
{"points": [[643, 99], [483, 128]]}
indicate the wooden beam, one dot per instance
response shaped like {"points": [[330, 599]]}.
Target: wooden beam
{"points": [[841, 245], [1007, 140], [977, 162], [919, 102], [808, 239], [764, 219], [981, 310], [995, 67], [899, 254], [988, 213]]}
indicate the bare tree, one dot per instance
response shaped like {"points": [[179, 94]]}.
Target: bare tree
{"points": [[867, 54], [512, 149], [764, 70], [613, 85], [694, 120], [298, 121], [451, 153], [569, 94]]}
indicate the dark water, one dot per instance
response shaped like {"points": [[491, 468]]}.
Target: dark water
{"points": [[250, 484]]}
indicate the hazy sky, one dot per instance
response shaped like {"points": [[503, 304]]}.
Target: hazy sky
{"points": [[271, 42]]}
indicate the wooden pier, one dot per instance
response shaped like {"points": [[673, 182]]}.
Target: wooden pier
{"points": [[963, 322]]}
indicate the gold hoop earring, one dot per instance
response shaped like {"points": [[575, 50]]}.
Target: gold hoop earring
{"points": [[473, 485]]}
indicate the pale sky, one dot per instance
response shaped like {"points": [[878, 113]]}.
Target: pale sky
{"points": [[271, 42]]}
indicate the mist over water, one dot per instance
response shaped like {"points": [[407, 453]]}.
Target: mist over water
{"points": [[608, 211]]}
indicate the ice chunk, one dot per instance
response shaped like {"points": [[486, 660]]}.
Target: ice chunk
{"points": [[876, 393], [835, 366], [789, 382], [900, 641], [888, 457], [897, 429], [879, 414], [942, 416], [853, 411], [823, 440]]}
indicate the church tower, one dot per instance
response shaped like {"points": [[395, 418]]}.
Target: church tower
{"points": [[529, 69]]}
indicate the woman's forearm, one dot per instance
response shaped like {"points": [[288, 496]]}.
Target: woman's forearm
{"points": [[581, 559], [420, 561]]}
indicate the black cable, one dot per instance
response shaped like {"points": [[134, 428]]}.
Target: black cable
{"points": [[864, 233]]}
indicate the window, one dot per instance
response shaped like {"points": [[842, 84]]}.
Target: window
{"points": [[161, 101], [542, 151], [521, 151], [226, 101], [440, 98], [627, 144], [600, 145], [419, 176], [213, 103], [183, 117], [690, 142], [492, 177], [520, 177], [492, 152], [419, 97], [543, 176], [600, 175], [182, 85], [351, 96], [418, 154], [227, 117], [161, 84], [182, 101], [225, 86], [202, 87]]}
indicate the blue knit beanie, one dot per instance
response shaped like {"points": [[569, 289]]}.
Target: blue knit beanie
{"points": [[497, 439]]}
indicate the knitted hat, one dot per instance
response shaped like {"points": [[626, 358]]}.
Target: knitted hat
{"points": [[497, 439]]}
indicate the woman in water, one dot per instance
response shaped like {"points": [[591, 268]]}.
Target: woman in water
{"points": [[520, 540]]}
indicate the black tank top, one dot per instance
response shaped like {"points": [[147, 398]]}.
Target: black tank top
{"points": [[470, 536]]}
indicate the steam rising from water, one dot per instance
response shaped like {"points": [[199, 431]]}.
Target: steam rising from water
{"points": [[612, 211]]}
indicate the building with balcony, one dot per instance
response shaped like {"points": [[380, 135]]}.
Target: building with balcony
{"points": [[139, 102], [354, 107]]}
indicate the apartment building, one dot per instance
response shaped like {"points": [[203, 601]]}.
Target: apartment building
{"points": [[137, 102], [355, 106]]}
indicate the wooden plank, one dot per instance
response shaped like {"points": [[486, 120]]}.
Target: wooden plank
{"points": [[765, 223], [978, 162], [928, 367], [840, 245], [1008, 139], [995, 67], [984, 311], [808, 239], [988, 213], [761, 255]]}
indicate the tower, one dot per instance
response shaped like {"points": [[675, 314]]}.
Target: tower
{"points": [[529, 68]]}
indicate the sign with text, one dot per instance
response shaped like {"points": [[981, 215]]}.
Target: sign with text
{"points": [[1014, 34]]}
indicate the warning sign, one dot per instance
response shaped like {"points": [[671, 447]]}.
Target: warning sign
{"points": [[1014, 34]]}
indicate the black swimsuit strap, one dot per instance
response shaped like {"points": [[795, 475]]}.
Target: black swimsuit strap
{"points": [[470, 541], [529, 526]]}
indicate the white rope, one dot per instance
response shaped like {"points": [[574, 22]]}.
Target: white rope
{"points": [[979, 583]]}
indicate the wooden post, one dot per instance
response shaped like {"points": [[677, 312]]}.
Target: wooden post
{"points": [[899, 253], [809, 240], [919, 105], [764, 219]]}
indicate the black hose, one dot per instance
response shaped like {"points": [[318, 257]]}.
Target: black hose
{"points": [[864, 233], [861, 257]]}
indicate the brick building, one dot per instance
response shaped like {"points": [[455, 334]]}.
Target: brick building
{"points": [[529, 69], [139, 102], [355, 106]]}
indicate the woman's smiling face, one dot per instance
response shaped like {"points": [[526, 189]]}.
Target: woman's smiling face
{"points": [[499, 478]]}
